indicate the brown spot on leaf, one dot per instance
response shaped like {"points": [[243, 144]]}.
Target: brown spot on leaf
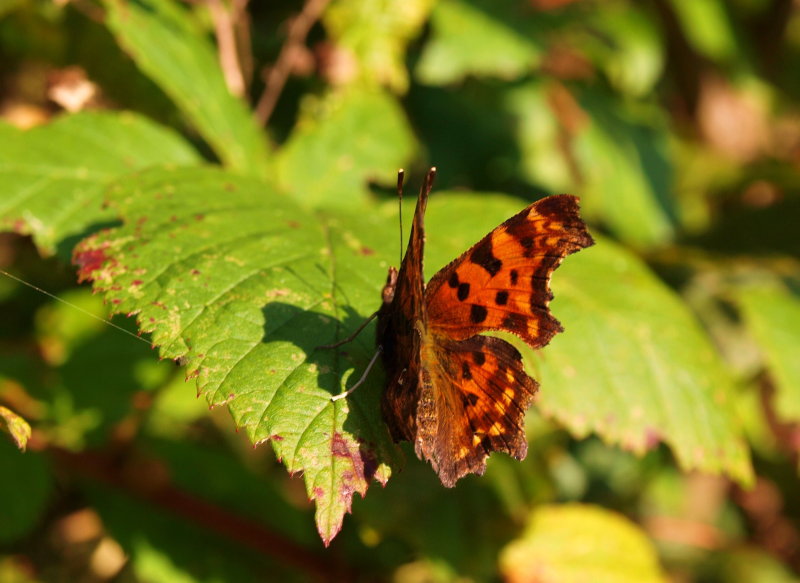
{"points": [[363, 465], [89, 261]]}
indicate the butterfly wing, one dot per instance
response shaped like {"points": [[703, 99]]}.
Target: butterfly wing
{"points": [[400, 317], [503, 281], [473, 389], [474, 394]]}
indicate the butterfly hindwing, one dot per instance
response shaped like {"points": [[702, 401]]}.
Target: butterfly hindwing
{"points": [[502, 282], [479, 393]]}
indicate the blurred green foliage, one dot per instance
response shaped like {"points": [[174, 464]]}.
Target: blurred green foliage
{"points": [[224, 172]]}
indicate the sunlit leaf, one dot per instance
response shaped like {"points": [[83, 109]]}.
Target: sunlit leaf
{"points": [[772, 315], [635, 367], [626, 44], [539, 136], [342, 140], [172, 48], [52, 177], [16, 426], [625, 170], [478, 38], [377, 36], [574, 543], [243, 286], [715, 37]]}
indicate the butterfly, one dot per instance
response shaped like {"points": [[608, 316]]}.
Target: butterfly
{"points": [[455, 393]]}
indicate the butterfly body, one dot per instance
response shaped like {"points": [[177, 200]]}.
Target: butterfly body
{"points": [[455, 393]]}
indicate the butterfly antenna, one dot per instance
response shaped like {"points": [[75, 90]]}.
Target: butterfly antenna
{"points": [[428, 186], [400, 176]]}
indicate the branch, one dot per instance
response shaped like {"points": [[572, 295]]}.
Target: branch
{"points": [[279, 73], [224, 25]]}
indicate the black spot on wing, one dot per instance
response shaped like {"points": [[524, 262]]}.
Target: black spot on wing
{"points": [[527, 244], [453, 281], [463, 291], [501, 299], [478, 358], [477, 313], [514, 276], [465, 372], [483, 256]]}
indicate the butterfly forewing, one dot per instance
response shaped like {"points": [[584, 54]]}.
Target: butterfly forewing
{"points": [[502, 282]]}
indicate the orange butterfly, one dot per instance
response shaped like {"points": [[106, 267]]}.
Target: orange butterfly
{"points": [[456, 394]]}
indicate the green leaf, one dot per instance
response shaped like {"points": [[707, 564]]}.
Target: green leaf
{"points": [[243, 285], [478, 38], [53, 177], [25, 486], [539, 135], [377, 36], [626, 172], [707, 27], [174, 51], [635, 367], [577, 543], [744, 564], [772, 315], [342, 140], [16, 426], [622, 163], [625, 42]]}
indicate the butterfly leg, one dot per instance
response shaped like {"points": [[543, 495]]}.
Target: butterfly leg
{"points": [[361, 380], [352, 336]]}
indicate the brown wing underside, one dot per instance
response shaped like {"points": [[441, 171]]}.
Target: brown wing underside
{"points": [[502, 282], [473, 398]]}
